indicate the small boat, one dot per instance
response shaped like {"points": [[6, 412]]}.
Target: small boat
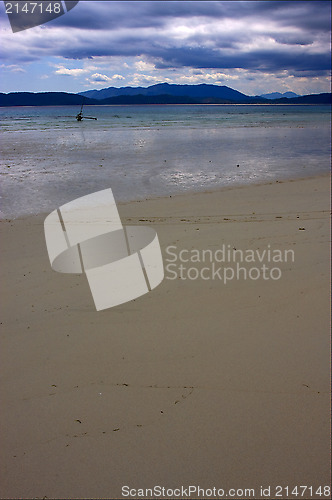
{"points": [[80, 117]]}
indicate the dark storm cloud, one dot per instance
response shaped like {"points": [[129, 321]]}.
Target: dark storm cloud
{"points": [[256, 35], [113, 14], [306, 15], [268, 61], [311, 15], [298, 25]]}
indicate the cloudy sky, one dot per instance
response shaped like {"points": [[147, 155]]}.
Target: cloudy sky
{"points": [[252, 46]]}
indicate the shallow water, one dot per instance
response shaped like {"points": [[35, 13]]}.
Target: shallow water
{"points": [[143, 151]]}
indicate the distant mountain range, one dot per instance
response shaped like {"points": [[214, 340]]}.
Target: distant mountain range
{"points": [[196, 92], [202, 91], [40, 99], [161, 93], [278, 95]]}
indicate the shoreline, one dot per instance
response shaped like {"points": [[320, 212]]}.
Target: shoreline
{"points": [[232, 187], [199, 382], [169, 104], [229, 188], [120, 203]]}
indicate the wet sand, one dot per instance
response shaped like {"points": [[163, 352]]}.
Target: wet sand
{"points": [[199, 382]]}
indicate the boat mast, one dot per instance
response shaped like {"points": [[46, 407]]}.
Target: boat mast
{"points": [[79, 116]]}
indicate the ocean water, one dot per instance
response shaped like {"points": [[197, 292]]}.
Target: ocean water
{"points": [[48, 158]]}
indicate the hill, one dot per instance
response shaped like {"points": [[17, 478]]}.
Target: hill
{"points": [[42, 99], [197, 92], [306, 99], [158, 94], [278, 95]]}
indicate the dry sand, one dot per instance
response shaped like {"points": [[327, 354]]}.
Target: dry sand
{"points": [[197, 383]]}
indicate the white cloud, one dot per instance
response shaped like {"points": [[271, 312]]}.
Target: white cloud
{"points": [[13, 68], [144, 66], [141, 79], [71, 72], [100, 79], [97, 77]]}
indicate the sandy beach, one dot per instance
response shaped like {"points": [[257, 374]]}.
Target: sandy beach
{"points": [[200, 383]]}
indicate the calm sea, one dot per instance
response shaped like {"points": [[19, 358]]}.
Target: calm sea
{"points": [[48, 158]]}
